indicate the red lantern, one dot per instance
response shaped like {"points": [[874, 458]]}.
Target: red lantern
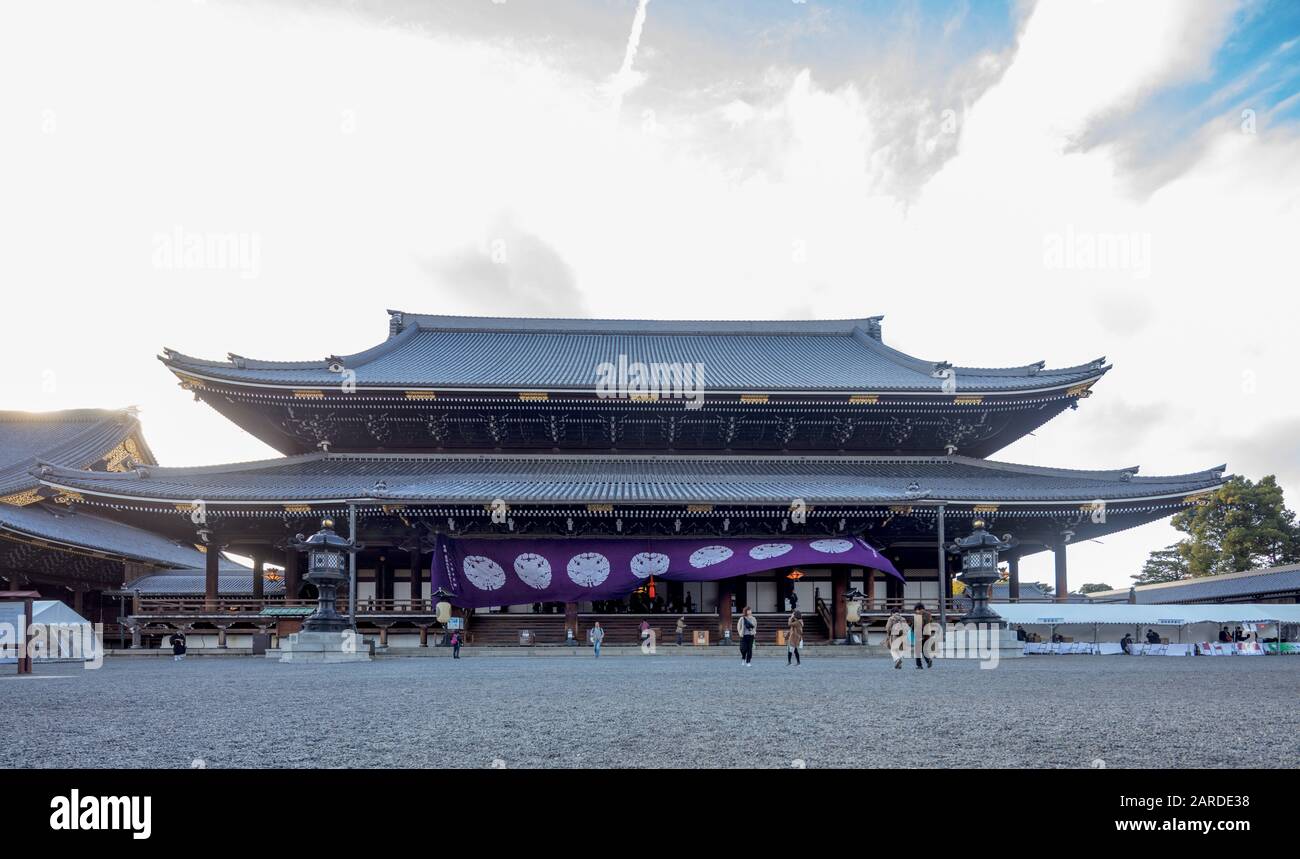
{"points": [[651, 591]]}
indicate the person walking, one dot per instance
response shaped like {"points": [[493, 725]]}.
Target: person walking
{"points": [[794, 638], [596, 636], [747, 627], [921, 618], [681, 629], [896, 631], [177, 642]]}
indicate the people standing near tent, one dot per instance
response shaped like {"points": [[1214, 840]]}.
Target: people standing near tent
{"points": [[681, 629], [747, 627], [922, 620], [896, 632], [596, 636], [1126, 644], [177, 642], [794, 638]]}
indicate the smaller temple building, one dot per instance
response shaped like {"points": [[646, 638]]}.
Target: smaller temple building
{"points": [[51, 542]]}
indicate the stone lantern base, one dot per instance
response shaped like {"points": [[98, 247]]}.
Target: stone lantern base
{"points": [[999, 638], [307, 646]]}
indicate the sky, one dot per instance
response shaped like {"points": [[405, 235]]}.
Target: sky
{"points": [[946, 164]]}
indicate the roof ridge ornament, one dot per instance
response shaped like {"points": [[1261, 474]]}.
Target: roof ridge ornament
{"points": [[874, 329], [396, 321]]}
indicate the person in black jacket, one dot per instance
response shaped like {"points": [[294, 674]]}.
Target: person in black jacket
{"points": [[177, 642]]}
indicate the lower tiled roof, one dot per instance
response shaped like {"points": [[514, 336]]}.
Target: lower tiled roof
{"points": [[648, 479], [1250, 583], [189, 584], [80, 529]]}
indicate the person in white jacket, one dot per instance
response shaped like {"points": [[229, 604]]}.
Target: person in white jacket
{"points": [[747, 628], [896, 630]]}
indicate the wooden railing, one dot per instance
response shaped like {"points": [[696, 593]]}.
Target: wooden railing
{"points": [[824, 612], [250, 605], [955, 605]]}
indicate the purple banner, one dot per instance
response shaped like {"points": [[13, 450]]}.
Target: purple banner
{"points": [[480, 572]]}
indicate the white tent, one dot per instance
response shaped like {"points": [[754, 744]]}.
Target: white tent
{"points": [[62, 633], [1056, 614]]}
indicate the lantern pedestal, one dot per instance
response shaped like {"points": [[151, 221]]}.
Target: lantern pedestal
{"points": [[308, 646]]}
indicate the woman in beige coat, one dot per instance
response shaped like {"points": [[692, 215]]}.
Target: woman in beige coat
{"points": [[793, 638], [896, 629]]}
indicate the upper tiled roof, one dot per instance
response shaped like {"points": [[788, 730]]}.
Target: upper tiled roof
{"points": [[1250, 583], [75, 438], [646, 479], [82, 529], [457, 352]]}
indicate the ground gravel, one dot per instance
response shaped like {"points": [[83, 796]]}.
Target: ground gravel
{"points": [[661, 711]]}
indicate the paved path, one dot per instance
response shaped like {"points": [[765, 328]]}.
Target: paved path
{"points": [[657, 711]]}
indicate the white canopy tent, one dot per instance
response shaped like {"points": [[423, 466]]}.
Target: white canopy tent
{"points": [[1183, 623], [1123, 614], [69, 635]]}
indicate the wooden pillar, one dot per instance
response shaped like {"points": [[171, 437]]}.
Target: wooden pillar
{"points": [[290, 574], [259, 577], [417, 589], [839, 611], [212, 568], [1062, 586], [1013, 583], [78, 601], [571, 620], [384, 578], [941, 563], [724, 607]]}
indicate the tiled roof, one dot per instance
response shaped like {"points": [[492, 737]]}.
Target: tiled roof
{"points": [[74, 438], [1207, 588], [182, 584], [80, 528], [452, 352], [648, 479]]}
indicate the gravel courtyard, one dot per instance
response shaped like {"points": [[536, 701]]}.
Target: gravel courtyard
{"points": [[662, 711]]}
